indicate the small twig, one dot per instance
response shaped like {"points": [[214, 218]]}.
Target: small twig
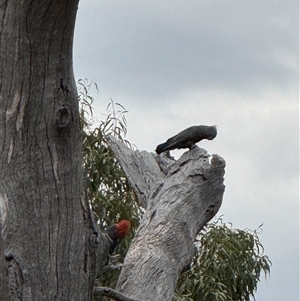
{"points": [[109, 292]]}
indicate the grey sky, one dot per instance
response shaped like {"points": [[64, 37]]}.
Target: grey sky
{"points": [[235, 64]]}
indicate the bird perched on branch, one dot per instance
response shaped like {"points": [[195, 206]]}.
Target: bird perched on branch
{"points": [[117, 232], [188, 138]]}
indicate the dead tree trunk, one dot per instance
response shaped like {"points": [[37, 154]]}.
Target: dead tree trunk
{"points": [[44, 217], [179, 197], [47, 250]]}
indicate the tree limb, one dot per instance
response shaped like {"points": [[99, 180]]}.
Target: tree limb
{"points": [[180, 197], [141, 169], [111, 293]]}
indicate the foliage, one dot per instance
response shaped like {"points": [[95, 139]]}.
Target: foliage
{"points": [[227, 262], [226, 266], [108, 191]]}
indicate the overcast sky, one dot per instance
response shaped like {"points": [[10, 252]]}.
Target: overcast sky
{"points": [[234, 64]]}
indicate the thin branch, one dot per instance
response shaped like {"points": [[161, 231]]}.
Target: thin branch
{"points": [[111, 293]]}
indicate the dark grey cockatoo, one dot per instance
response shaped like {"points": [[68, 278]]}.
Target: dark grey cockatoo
{"points": [[188, 138]]}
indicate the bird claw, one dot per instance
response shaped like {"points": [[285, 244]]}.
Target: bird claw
{"points": [[114, 262], [114, 259], [114, 266], [168, 155]]}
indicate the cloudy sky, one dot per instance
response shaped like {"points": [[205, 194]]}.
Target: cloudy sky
{"points": [[234, 64]]}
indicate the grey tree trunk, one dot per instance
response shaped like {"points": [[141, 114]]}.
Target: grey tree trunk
{"points": [[46, 252], [179, 197], [47, 246]]}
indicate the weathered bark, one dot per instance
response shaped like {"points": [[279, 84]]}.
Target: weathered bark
{"points": [[4, 290], [48, 248], [46, 231], [180, 197]]}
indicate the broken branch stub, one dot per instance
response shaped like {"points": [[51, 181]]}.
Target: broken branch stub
{"points": [[180, 197]]}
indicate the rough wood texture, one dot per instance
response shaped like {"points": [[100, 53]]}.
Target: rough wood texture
{"points": [[113, 294], [47, 246], [180, 197]]}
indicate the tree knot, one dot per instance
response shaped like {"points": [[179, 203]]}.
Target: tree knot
{"points": [[63, 116]]}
